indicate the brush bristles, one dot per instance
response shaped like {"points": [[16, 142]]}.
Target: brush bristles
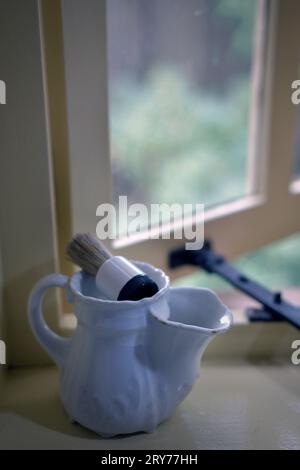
{"points": [[88, 252]]}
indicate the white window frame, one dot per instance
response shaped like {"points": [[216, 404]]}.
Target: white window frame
{"points": [[74, 153]]}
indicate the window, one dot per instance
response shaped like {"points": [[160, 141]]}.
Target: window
{"points": [[257, 33], [263, 176], [214, 132]]}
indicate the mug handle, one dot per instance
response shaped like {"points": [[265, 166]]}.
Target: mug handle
{"points": [[56, 346]]}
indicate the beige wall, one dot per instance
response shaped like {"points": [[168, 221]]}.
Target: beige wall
{"points": [[27, 227]]}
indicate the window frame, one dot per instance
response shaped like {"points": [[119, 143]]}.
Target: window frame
{"points": [[270, 175]]}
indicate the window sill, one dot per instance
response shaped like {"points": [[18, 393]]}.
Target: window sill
{"points": [[232, 406]]}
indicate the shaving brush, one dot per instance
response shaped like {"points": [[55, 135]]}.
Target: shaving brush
{"points": [[115, 276]]}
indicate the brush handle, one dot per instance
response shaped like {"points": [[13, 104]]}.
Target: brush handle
{"points": [[119, 279]]}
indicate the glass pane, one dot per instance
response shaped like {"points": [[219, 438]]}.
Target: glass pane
{"points": [[179, 98], [276, 266]]}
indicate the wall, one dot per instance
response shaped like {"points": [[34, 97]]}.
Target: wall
{"points": [[27, 226]]}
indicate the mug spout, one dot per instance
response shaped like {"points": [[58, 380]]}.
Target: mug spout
{"points": [[195, 309], [195, 317]]}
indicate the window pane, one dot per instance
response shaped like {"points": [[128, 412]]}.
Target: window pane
{"points": [[179, 98]]}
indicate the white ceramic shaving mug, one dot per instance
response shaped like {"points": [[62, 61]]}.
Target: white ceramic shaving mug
{"points": [[129, 363]]}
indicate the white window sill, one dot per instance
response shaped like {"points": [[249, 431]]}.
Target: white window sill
{"points": [[232, 406]]}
